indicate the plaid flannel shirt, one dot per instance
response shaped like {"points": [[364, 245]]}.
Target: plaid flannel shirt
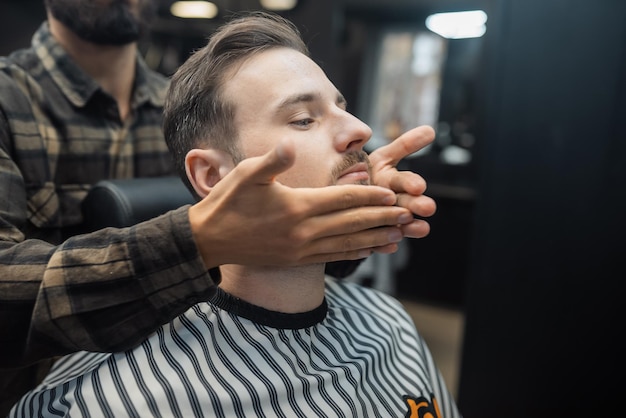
{"points": [[102, 291]]}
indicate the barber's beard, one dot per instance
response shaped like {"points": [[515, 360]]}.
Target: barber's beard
{"points": [[111, 24], [349, 160]]}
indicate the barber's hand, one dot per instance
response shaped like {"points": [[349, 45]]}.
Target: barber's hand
{"points": [[408, 185], [249, 218]]}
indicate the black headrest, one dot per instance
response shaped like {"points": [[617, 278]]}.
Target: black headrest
{"points": [[122, 203]]}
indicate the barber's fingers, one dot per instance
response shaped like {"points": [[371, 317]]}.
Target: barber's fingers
{"points": [[362, 244], [354, 246], [405, 182], [416, 229], [403, 146], [420, 205], [363, 222], [327, 200], [263, 169]]}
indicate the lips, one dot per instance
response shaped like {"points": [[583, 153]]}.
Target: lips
{"points": [[357, 173]]}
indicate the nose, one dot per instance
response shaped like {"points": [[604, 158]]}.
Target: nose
{"points": [[352, 134]]}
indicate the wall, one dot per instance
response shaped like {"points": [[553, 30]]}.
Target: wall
{"points": [[544, 306], [18, 21]]}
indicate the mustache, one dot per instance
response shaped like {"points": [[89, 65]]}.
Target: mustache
{"points": [[350, 159]]}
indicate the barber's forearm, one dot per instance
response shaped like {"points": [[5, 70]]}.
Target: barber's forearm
{"points": [[109, 290]]}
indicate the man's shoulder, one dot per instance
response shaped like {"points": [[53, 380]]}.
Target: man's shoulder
{"points": [[18, 71], [21, 60], [14, 81]]}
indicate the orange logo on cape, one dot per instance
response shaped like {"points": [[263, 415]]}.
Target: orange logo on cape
{"points": [[422, 407]]}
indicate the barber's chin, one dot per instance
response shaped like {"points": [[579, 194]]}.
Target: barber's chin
{"points": [[356, 177]]}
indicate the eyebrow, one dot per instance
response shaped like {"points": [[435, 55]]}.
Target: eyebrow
{"points": [[307, 98]]}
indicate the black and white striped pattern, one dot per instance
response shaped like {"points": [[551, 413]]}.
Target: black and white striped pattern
{"points": [[364, 359]]}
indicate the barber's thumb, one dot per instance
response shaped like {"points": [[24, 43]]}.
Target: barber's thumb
{"points": [[277, 160]]}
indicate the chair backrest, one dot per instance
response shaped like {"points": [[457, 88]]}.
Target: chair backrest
{"points": [[122, 203]]}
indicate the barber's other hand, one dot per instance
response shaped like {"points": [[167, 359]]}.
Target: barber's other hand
{"points": [[408, 185], [249, 218]]}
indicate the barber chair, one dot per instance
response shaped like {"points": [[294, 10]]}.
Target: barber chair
{"points": [[126, 202]]}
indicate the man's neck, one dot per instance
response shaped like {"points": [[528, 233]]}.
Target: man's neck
{"points": [[287, 290], [112, 67]]}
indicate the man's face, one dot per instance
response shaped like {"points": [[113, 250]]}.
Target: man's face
{"points": [[281, 93], [104, 22]]}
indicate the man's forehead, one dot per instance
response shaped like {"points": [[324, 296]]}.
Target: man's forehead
{"points": [[280, 77], [290, 64]]}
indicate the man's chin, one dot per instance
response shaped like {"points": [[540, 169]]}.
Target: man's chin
{"points": [[119, 40]]}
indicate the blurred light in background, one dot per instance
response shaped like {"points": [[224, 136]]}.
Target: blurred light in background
{"points": [[194, 9], [279, 5], [458, 25]]}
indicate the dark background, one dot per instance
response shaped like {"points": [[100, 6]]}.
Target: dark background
{"points": [[528, 240]]}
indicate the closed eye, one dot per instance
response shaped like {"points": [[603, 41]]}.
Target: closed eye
{"points": [[303, 123]]}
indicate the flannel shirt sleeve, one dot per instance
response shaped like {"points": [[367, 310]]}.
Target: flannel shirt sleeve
{"points": [[103, 291]]}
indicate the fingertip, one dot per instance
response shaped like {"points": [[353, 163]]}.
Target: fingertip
{"points": [[411, 182], [430, 131], [285, 151], [384, 195], [266, 167], [419, 228], [390, 199]]}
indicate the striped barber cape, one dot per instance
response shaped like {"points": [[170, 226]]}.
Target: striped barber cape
{"points": [[357, 355]]}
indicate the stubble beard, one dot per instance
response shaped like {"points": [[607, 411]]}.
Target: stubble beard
{"points": [[112, 24], [349, 160]]}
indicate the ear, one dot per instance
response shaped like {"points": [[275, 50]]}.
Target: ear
{"points": [[205, 167]]}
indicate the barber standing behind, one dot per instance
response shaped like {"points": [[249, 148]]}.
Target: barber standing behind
{"points": [[81, 106]]}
